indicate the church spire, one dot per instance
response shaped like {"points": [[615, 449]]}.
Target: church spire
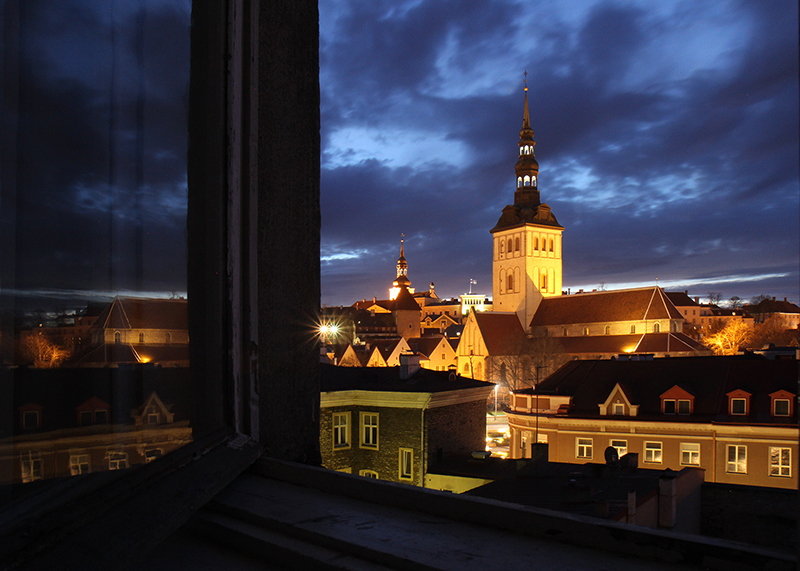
{"points": [[527, 168]]}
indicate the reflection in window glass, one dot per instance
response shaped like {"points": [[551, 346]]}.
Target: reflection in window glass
{"points": [[93, 310]]}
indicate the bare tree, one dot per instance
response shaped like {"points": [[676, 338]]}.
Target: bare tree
{"points": [[772, 330], [714, 297], [730, 339], [735, 302], [529, 360], [43, 352]]}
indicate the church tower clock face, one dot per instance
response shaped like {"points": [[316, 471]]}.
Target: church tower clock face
{"points": [[526, 263]]}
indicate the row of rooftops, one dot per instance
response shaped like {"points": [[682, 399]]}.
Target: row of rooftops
{"points": [[708, 382]]}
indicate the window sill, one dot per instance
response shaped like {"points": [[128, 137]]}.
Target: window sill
{"points": [[299, 517]]}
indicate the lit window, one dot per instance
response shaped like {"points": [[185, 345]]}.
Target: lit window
{"points": [[369, 430], [738, 406], [584, 448], [79, 464], [780, 462], [652, 452], [690, 454], [368, 474], [31, 466], [621, 446], [782, 407], [341, 430], [737, 459], [406, 463], [117, 460]]}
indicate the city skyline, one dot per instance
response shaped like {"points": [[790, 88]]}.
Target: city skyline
{"points": [[666, 137]]}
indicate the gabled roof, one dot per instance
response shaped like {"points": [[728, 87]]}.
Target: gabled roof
{"points": [[605, 306], [405, 301], [136, 313], [709, 379], [773, 306], [425, 345], [502, 332], [680, 298]]}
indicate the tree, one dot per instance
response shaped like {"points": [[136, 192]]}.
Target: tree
{"points": [[730, 339], [735, 302], [528, 361], [714, 297], [43, 352], [772, 330], [759, 298]]}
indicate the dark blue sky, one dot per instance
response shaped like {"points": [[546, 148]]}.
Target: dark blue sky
{"points": [[667, 138]]}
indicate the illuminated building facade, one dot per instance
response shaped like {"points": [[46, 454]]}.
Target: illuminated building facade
{"points": [[734, 417]]}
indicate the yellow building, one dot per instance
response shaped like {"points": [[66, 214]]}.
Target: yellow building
{"points": [[734, 417]]}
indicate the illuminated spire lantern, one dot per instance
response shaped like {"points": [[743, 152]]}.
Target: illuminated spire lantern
{"points": [[527, 239], [402, 273]]}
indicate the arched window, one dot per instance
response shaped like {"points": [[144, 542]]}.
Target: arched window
{"points": [[656, 328], [510, 283], [519, 181], [608, 330], [466, 368], [533, 181], [516, 244], [527, 180], [141, 337], [478, 370], [544, 282], [564, 331], [502, 246], [586, 331], [167, 337], [510, 246], [674, 327], [633, 329], [117, 338], [551, 244], [536, 243]]}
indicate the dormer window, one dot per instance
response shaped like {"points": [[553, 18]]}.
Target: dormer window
{"points": [[677, 401], [782, 403], [738, 403], [618, 409]]}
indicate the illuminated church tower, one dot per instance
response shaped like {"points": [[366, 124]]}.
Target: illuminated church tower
{"points": [[527, 240], [402, 275]]}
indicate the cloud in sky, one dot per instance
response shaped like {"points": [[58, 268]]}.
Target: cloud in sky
{"points": [[667, 140], [667, 135]]}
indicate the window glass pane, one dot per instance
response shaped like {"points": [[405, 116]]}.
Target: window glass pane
{"points": [[93, 236]]}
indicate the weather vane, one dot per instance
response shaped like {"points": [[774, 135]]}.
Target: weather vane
{"points": [[525, 80]]}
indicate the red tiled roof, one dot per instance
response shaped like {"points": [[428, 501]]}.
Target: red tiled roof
{"points": [[425, 345], [502, 332], [605, 306], [680, 298]]}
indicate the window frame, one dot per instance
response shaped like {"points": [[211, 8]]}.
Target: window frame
{"points": [[659, 452], [734, 401], [788, 412], [584, 448], [621, 450], [233, 425], [405, 464], [336, 431], [784, 469], [372, 474], [740, 460], [373, 433], [688, 448]]}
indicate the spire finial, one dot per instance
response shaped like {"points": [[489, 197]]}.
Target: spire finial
{"points": [[525, 79], [526, 119]]}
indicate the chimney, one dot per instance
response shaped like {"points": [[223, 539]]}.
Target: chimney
{"points": [[374, 299], [667, 500], [697, 300], [784, 299], [773, 298], [409, 364]]}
